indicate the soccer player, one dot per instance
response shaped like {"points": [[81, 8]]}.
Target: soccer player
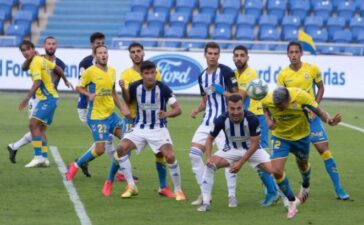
{"points": [[242, 131], [129, 76], [151, 98], [244, 74], [47, 97], [216, 81], [307, 77], [286, 115], [50, 47], [98, 84]]}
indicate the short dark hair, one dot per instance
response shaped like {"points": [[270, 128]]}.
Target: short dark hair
{"points": [[96, 35], [241, 47], [234, 98], [211, 44], [97, 47], [280, 95], [27, 43], [294, 43], [135, 44], [147, 65], [49, 37]]}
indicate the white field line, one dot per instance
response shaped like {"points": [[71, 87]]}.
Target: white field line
{"points": [[75, 199], [352, 127]]}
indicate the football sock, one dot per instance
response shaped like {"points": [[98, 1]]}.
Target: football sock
{"points": [[113, 170], [175, 173], [306, 176], [37, 145], [331, 168], [26, 139], [231, 182], [207, 183], [45, 149], [125, 167], [268, 181], [110, 148], [160, 166], [283, 184], [87, 157], [197, 163]]}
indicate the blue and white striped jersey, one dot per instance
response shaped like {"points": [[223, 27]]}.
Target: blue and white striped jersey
{"points": [[84, 64], [149, 103], [216, 103], [237, 135]]}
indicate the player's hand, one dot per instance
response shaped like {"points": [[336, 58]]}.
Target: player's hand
{"points": [[271, 125], [236, 166], [209, 161], [122, 84], [23, 104], [162, 114], [92, 97], [194, 113], [69, 85], [126, 112], [335, 120]]}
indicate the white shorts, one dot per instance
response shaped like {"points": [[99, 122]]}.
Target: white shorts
{"points": [[82, 114], [233, 155], [203, 132], [32, 104], [156, 138]]}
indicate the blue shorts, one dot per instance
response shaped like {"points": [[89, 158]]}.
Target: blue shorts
{"points": [[45, 109], [264, 131], [318, 132], [127, 124], [300, 148], [101, 129]]}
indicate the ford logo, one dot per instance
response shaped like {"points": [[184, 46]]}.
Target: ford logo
{"points": [[178, 71]]}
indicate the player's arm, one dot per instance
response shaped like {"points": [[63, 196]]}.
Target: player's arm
{"points": [[123, 108], [320, 91], [208, 148], [31, 92], [59, 71], [254, 143], [201, 107], [268, 118], [325, 117], [176, 111], [85, 79]]}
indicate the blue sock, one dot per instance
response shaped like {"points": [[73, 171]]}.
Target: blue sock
{"points": [[160, 165], [45, 149], [87, 157], [267, 181], [113, 170], [306, 177], [37, 145], [331, 168], [283, 184]]}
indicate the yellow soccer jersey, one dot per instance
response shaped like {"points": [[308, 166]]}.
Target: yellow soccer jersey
{"points": [[102, 83], [292, 123], [41, 69], [129, 76], [243, 80], [305, 78]]}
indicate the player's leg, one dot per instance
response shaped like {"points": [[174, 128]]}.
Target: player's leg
{"points": [[35, 129], [45, 148]]}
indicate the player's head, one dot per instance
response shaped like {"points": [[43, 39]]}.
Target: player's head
{"points": [[235, 108], [148, 71], [101, 55], [97, 39], [294, 52], [136, 53], [50, 45], [281, 98], [27, 49], [212, 53], [240, 56]]}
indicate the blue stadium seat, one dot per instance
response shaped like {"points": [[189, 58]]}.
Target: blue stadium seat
{"points": [[202, 20], [222, 33], [268, 22], [120, 44], [231, 7], [329, 50], [134, 19], [1, 27], [323, 8], [246, 21], [263, 47], [346, 9], [245, 34], [356, 26], [335, 24], [277, 8], [140, 5], [299, 8], [10, 41], [209, 7], [17, 30], [152, 32], [360, 38], [342, 36], [196, 32], [25, 18], [185, 6], [361, 9], [313, 23], [358, 4], [291, 22], [289, 34], [156, 19], [163, 6], [356, 51], [269, 35], [226, 20], [319, 36], [174, 32], [253, 7], [3, 17], [5, 7], [281, 48], [179, 19], [128, 31]]}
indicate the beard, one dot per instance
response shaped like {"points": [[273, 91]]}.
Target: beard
{"points": [[50, 53], [240, 65]]}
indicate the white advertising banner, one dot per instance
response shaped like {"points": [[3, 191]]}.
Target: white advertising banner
{"points": [[343, 75]]}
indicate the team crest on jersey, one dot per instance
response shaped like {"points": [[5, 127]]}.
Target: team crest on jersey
{"points": [[233, 80], [306, 76], [295, 106], [258, 129]]}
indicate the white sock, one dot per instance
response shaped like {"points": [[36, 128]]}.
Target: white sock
{"points": [[207, 183], [26, 139], [125, 167], [109, 147], [175, 173], [231, 182], [197, 163]]}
